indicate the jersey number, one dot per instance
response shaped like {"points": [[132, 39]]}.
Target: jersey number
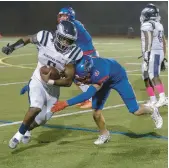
{"points": [[50, 63]]}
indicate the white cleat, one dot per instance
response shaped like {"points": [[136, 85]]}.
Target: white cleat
{"points": [[102, 139], [158, 120], [13, 143], [150, 103], [27, 137], [162, 102]]}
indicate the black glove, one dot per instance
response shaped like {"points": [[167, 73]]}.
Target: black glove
{"points": [[164, 64], [8, 49]]}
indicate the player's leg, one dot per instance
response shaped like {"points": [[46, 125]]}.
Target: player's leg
{"points": [[37, 99], [148, 84], [41, 118], [126, 92], [97, 104], [156, 59]]}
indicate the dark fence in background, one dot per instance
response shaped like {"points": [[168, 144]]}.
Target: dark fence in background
{"points": [[100, 18]]}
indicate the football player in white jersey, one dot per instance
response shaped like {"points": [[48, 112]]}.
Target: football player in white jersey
{"points": [[153, 51], [57, 50]]}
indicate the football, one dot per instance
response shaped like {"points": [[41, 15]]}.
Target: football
{"points": [[54, 72]]}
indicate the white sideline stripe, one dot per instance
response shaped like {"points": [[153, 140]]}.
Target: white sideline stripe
{"points": [[69, 114], [13, 83], [133, 63], [141, 74]]}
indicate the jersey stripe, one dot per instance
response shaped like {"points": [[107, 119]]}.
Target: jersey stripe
{"points": [[42, 37], [46, 40], [72, 53], [77, 55]]}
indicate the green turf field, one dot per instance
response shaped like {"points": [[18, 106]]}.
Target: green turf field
{"points": [[67, 141]]}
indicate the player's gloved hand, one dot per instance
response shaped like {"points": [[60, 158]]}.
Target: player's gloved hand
{"points": [[8, 49], [58, 106], [24, 90], [146, 56], [164, 64]]}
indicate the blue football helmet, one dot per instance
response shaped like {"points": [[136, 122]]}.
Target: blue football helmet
{"points": [[150, 12], [84, 67], [67, 11]]}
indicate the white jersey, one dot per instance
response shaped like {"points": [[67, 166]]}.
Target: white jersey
{"points": [[158, 32], [48, 55]]}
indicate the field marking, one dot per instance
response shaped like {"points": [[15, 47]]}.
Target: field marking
{"points": [[133, 63], [6, 65], [12, 83], [69, 114], [16, 83], [13, 56], [141, 74]]}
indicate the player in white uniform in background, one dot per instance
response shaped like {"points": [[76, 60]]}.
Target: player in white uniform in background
{"points": [[153, 50], [57, 50]]}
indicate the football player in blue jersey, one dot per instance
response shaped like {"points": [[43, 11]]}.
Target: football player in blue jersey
{"points": [[89, 71], [84, 41]]}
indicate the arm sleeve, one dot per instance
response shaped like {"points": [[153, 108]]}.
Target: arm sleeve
{"points": [[82, 97]]}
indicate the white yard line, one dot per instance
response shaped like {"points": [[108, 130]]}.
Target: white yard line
{"points": [[69, 114], [16, 83], [12, 83], [133, 63]]}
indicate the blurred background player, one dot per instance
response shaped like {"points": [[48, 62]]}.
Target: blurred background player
{"points": [[89, 71], [153, 51], [57, 50], [84, 41]]}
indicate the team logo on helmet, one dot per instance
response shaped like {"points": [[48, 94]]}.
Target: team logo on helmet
{"points": [[96, 73]]}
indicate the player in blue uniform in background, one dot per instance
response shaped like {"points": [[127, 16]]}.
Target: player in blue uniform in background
{"points": [[102, 80], [84, 41]]}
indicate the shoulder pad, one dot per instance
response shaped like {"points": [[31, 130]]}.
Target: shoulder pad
{"points": [[42, 37], [147, 26]]}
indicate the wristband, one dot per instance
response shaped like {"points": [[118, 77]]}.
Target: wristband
{"points": [[51, 82]]}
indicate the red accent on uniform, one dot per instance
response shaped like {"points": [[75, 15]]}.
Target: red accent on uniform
{"points": [[88, 52], [103, 79]]}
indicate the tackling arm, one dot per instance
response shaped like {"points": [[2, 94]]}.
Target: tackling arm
{"points": [[60, 105]]}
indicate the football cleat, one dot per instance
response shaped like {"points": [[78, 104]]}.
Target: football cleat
{"points": [[13, 143], [162, 102], [158, 120], [102, 139], [86, 104], [27, 137]]}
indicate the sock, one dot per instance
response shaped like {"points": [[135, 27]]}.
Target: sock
{"points": [[23, 128], [84, 89], [160, 90], [151, 94]]}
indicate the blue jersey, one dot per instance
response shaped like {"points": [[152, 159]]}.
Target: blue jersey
{"points": [[106, 70], [84, 40]]}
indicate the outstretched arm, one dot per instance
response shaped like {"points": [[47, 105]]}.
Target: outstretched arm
{"points": [[60, 105], [20, 43]]}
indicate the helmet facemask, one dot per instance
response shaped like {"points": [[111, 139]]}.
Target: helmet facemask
{"points": [[63, 43]]}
